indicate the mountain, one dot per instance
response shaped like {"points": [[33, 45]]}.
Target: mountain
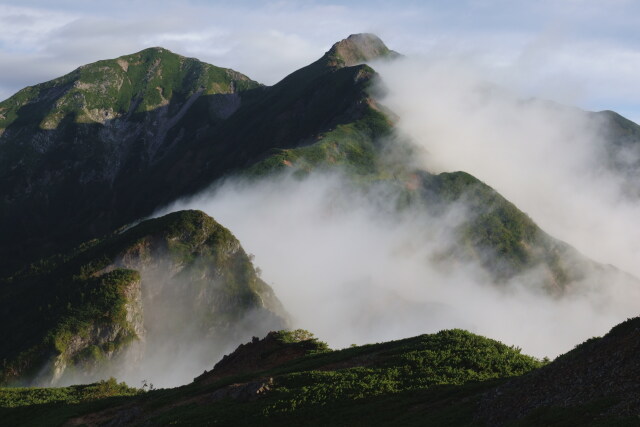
{"points": [[113, 141], [451, 378], [621, 152], [71, 148], [177, 282], [85, 294]]}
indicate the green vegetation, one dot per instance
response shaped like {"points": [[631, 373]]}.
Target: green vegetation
{"points": [[451, 357], [53, 406], [16, 397], [321, 117], [342, 387], [143, 81], [302, 338], [55, 307]]}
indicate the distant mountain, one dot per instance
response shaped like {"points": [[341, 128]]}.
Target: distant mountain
{"points": [[452, 378], [177, 284], [622, 149]]}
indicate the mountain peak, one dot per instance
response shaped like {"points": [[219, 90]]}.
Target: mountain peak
{"points": [[356, 49]]}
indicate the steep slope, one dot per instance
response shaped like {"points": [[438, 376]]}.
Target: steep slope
{"points": [[164, 284], [504, 240], [70, 148], [599, 379]]}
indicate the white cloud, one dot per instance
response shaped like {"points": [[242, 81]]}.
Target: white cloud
{"points": [[573, 51], [546, 159], [350, 268]]}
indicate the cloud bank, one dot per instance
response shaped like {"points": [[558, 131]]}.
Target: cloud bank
{"points": [[351, 269], [548, 159]]}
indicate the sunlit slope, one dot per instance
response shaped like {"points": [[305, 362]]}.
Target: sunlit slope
{"points": [[110, 304]]}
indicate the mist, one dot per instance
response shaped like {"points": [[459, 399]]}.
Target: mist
{"points": [[547, 158], [352, 269]]}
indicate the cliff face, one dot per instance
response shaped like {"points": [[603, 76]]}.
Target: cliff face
{"points": [[87, 351], [168, 284]]}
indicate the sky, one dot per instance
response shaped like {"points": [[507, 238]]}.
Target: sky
{"points": [[579, 52]]}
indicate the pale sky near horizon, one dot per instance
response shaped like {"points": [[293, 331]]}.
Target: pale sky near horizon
{"points": [[578, 52]]}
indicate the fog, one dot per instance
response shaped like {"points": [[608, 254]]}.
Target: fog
{"points": [[352, 269], [184, 321], [546, 158]]}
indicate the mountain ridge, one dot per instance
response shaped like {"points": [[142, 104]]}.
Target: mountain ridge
{"points": [[158, 138]]}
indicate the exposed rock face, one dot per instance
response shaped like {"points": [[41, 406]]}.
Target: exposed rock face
{"points": [[108, 340], [357, 49], [601, 368]]}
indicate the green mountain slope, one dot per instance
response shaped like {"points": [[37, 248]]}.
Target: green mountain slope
{"points": [[452, 378], [78, 153], [165, 283], [504, 240], [70, 148]]}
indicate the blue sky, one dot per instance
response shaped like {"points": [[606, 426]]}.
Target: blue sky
{"points": [[580, 52]]}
